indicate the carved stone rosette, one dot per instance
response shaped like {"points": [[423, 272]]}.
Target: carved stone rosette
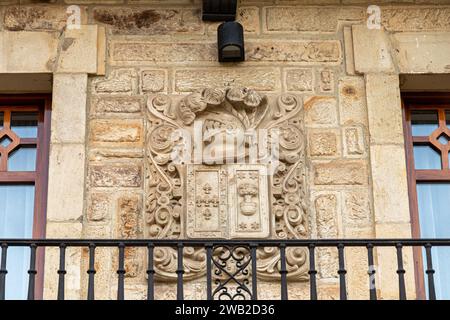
{"points": [[229, 199]]}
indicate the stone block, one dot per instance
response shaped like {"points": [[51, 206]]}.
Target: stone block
{"points": [[422, 53], [66, 182], [115, 175], [106, 105], [372, 50], [299, 79], [79, 50], [384, 109], [69, 108], [390, 187], [257, 78], [38, 18], [352, 101], [119, 81], [324, 143], [341, 172], [27, 52], [320, 111], [116, 132], [126, 20]]}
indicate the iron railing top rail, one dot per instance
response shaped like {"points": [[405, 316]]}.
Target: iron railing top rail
{"points": [[214, 242], [245, 263]]}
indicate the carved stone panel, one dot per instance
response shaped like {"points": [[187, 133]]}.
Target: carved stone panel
{"points": [[226, 164], [206, 202], [248, 203]]}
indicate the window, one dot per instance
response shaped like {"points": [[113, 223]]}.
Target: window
{"points": [[24, 138], [427, 131]]}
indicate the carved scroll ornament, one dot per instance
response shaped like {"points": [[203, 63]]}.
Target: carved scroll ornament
{"points": [[168, 196]]}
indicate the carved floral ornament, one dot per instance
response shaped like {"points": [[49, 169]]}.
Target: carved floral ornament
{"points": [[209, 199]]}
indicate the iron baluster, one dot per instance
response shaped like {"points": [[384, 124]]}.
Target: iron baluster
{"points": [[401, 272], [342, 272], [91, 272], [61, 271], [312, 273], [430, 273]]}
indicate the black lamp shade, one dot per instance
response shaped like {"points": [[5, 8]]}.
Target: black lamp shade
{"points": [[219, 10], [230, 39]]}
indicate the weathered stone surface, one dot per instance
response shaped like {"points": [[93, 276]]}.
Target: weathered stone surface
{"points": [[115, 154], [16, 49], [25, 18], [299, 79], [116, 131], [126, 175], [416, 18], [341, 172], [305, 52], [116, 105], [352, 101], [249, 17], [384, 109], [69, 108], [320, 111], [149, 21], [328, 263], [66, 182], [390, 187], [422, 53], [79, 45], [153, 81], [356, 208], [326, 209], [63, 230], [387, 262], [163, 51], [129, 210], [354, 145], [119, 81], [372, 50], [264, 79], [326, 216], [307, 19], [323, 143], [98, 208], [326, 80]]}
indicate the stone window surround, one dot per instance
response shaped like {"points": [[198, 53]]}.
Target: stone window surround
{"points": [[374, 53], [70, 57]]}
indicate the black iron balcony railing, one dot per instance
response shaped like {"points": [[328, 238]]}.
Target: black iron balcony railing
{"points": [[246, 263]]}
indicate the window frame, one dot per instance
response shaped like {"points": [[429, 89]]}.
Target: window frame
{"points": [[42, 104], [421, 101]]}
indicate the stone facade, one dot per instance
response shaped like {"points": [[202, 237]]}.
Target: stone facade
{"points": [[315, 72]]}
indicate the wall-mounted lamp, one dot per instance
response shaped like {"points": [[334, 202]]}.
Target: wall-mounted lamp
{"points": [[219, 10], [230, 39]]}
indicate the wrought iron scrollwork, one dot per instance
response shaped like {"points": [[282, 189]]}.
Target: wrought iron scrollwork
{"points": [[232, 273]]}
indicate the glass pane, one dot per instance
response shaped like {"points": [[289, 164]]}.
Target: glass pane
{"points": [[1, 120], [425, 157], [16, 221], [5, 141], [24, 124], [434, 217], [447, 117], [424, 122], [22, 159], [443, 139]]}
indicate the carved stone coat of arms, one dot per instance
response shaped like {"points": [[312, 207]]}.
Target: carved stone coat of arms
{"points": [[226, 164]]}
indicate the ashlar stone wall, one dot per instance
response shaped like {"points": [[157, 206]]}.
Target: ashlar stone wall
{"points": [[293, 47]]}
